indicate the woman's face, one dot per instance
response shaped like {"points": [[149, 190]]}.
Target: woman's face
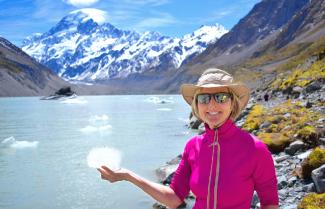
{"points": [[214, 113]]}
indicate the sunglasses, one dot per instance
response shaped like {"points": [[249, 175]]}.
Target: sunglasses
{"points": [[219, 97]]}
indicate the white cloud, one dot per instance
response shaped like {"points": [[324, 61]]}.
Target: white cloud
{"points": [[80, 3], [97, 15], [221, 14]]}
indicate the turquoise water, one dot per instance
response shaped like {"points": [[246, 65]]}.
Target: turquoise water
{"points": [[44, 146]]}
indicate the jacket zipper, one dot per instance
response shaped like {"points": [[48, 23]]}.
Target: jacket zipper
{"points": [[215, 142]]}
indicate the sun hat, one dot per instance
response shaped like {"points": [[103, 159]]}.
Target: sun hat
{"points": [[214, 78]]}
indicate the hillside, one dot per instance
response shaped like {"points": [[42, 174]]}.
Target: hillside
{"points": [[250, 58], [21, 75]]}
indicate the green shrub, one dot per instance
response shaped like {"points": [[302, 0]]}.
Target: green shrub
{"points": [[313, 201], [308, 135], [315, 159], [276, 142], [254, 118]]}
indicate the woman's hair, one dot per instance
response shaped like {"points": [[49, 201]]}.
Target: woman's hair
{"points": [[235, 108]]}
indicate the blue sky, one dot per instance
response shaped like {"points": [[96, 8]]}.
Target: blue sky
{"points": [[21, 18]]}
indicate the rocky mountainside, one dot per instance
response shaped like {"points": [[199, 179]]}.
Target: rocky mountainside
{"points": [[21, 75], [278, 31], [79, 48], [262, 23]]}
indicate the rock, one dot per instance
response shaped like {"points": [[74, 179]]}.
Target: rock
{"points": [[183, 205], [165, 171], [190, 196], [297, 89], [176, 160], [287, 90], [309, 104], [314, 86], [266, 124], [201, 128], [318, 177], [283, 193], [64, 92], [159, 206], [255, 200], [168, 180], [282, 182], [292, 181], [194, 122], [281, 158], [322, 141], [309, 187], [290, 207], [294, 147], [304, 155], [287, 115]]}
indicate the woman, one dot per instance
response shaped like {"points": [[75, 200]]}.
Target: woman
{"points": [[224, 165]]}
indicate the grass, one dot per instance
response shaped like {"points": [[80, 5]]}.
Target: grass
{"points": [[301, 77], [287, 122]]}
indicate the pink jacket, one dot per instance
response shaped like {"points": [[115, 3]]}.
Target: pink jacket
{"points": [[234, 164]]}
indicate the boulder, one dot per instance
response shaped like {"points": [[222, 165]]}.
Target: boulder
{"points": [[318, 177], [297, 89], [265, 124], [314, 86], [282, 182], [165, 171], [309, 187], [194, 122], [294, 147], [175, 161]]}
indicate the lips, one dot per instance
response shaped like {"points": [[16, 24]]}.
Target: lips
{"points": [[213, 115]]}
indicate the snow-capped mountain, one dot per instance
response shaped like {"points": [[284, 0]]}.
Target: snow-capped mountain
{"points": [[84, 47]]}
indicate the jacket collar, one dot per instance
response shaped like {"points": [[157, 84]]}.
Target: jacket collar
{"points": [[223, 130]]}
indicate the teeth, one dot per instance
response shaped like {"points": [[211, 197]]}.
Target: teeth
{"points": [[213, 113]]}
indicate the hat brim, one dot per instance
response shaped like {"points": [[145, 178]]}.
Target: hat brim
{"points": [[241, 90]]}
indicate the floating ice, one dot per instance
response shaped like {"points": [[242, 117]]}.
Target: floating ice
{"points": [[98, 118], [13, 143], [107, 156], [77, 100], [158, 100], [164, 109], [92, 129]]}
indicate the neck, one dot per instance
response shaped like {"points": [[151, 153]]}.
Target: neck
{"points": [[218, 125]]}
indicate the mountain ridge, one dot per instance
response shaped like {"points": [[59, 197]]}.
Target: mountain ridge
{"points": [[77, 48]]}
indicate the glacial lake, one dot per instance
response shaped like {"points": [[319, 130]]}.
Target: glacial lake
{"points": [[44, 147]]}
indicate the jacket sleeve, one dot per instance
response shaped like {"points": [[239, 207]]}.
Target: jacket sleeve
{"points": [[181, 178], [264, 176]]}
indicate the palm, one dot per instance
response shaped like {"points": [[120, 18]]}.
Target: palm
{"points": [[111, 175]]}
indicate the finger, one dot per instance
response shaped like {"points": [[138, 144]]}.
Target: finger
{"points": [[102, 171], [107, 169]]}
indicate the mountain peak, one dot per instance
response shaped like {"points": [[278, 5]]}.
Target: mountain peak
{"points": [[208, 31], [83, 15]]}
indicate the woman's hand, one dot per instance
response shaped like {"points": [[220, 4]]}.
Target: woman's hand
{"points": [[161, 193], [111, 175]]}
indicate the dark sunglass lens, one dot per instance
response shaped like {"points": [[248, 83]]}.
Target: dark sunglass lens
{"points": [[222, 97], [203, 98]]}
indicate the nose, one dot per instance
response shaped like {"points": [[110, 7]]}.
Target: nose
{"points": [[213, 103]]}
